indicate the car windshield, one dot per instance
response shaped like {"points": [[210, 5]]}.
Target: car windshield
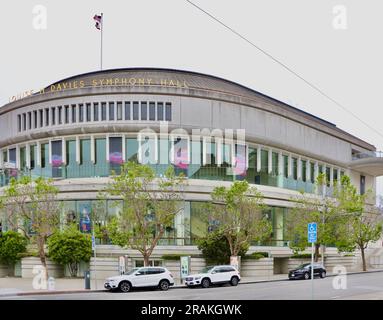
{"points": [[206, 269], [132, 271]]}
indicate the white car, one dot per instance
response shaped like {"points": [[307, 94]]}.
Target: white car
{"points": [[214, 275], [158, 277]]}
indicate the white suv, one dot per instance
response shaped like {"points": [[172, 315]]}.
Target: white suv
{"points": [[141, 277], [214, 275]]}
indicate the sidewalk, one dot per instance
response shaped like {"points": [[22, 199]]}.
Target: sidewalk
{"points": [[11, 286]]}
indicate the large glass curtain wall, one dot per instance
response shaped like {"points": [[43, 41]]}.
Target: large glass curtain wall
{"points": [[204, 159]]}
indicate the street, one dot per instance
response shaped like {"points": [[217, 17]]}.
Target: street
{"points": [[359, 286]]}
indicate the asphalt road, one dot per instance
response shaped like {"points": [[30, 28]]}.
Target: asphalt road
{"points": [[359, 286]]}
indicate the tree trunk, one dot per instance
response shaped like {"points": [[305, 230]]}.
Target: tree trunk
{"points": [[146, 260], [316, 254], [73, 267], [40, 244], [363, 259], [11, 269]]}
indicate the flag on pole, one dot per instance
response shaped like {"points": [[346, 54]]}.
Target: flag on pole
{"points": [[98, 20]]}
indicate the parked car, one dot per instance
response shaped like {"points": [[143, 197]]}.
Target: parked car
{"points": [[304, 271], [214, 275], [141, 277]]}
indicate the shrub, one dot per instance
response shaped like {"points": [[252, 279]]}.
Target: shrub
{"points": [[69, 247], [303, 256], [216, 249], [12, 245], [256, 255]]}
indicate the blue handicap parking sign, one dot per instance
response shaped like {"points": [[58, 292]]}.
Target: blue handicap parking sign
{"points": [[312, 232]]}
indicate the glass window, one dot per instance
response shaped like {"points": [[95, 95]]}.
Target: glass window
{"points": [[132, 149], [41, 117], [127, 110], [111, 111], [44, 155], [101, 168], [12, 155], [328, 176], [312, 172], [60, 115], [144, 111], [24, 121], [274, 169], [81, 113], [66, 114], [286, 166], [32, 151], [160, 111], [115, 150], [135, 110], [168, 111], [119, 110], [95, 111], [335, 177], [19, 123], [74, 116], [35, 119], [295, 168], [57, 158], [152, 111], [304, 170], [103, 111], [252, 175], [53, 112], [85, 151], [29, 120], [88, 112], [47, 117], [23, 158], [71, 152]]}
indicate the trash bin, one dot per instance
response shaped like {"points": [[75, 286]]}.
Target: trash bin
{"points": [[87, 279]]}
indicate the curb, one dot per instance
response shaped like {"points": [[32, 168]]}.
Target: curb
{"points": [[52, 292]]}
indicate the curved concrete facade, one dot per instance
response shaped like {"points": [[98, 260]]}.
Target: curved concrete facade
{"points": [[290, 147]]}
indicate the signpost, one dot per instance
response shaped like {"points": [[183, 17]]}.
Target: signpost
{"points": [[312, 231]]}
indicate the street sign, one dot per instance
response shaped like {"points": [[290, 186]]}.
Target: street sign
{"points": [[93, 243], [312, 232]]}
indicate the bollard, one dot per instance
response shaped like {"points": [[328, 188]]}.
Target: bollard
{"points": [[87, 279]]}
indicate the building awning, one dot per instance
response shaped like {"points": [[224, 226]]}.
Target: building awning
{"points": [[370, 165]]}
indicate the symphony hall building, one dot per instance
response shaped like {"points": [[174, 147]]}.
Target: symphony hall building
{"points": [[78, 131]]}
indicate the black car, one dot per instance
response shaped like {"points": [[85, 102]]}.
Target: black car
{"points": [[304, 271]]}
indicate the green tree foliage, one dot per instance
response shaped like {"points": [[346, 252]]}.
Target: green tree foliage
{"points": [[343, 220], [216, 249], [238, 210], [70, 247], [150, 205], [12, 244], [32, 206]]}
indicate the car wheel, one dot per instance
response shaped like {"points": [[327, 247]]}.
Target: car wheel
{"points": [[205, 283], [307, 276], [164, 285], [125, 286], [323, 274], [234, 281]]}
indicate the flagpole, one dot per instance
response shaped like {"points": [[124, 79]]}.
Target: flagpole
{"points": [[102, 28]]}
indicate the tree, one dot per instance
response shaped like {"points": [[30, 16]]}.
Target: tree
{"points": [[32, 206], [325, 211], [238, 211], [216, 249], [70, 247], [12, 244], [150, 205], [362, 224]]}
